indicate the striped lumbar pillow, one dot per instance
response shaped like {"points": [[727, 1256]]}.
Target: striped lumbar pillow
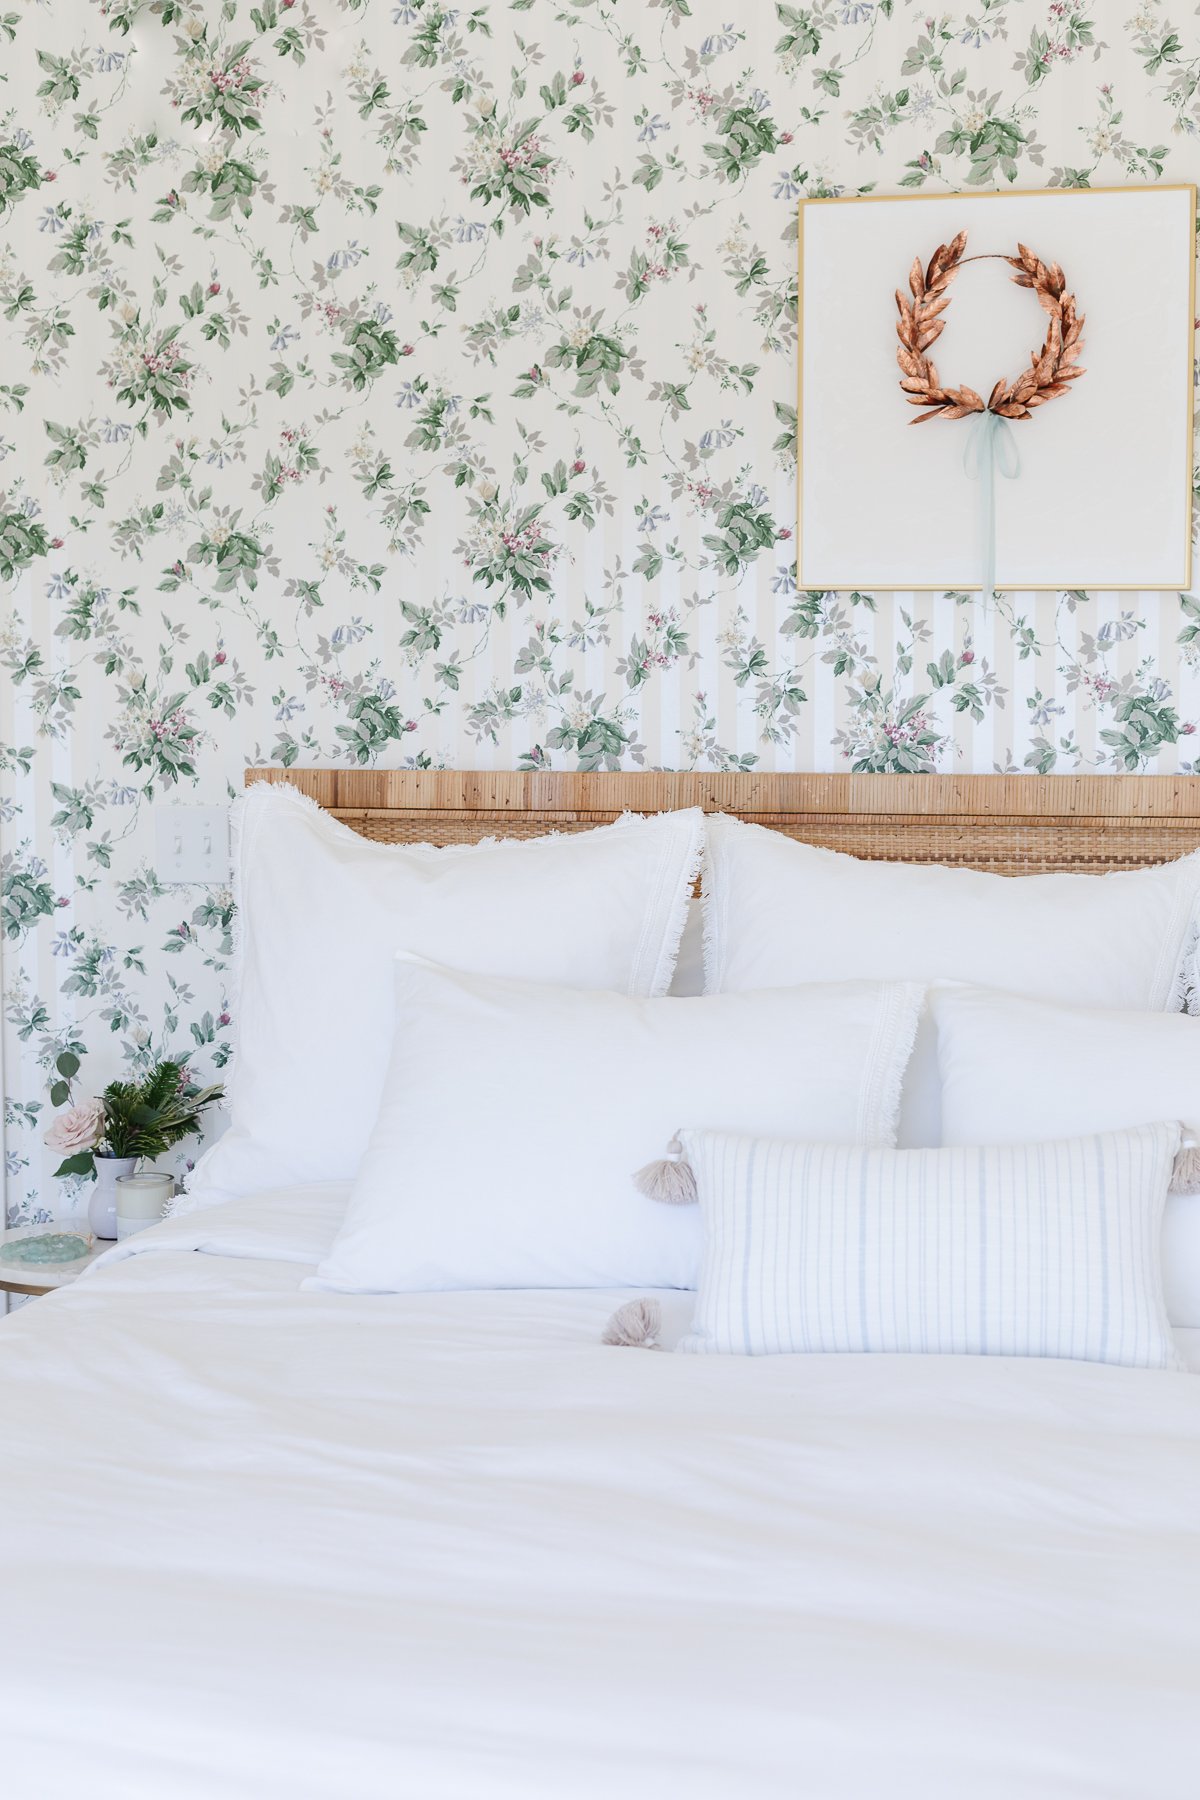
{"points": [[1030, 1250]]}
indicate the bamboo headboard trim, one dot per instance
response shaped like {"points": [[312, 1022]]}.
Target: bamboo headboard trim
{"points": [[1011, 824]]}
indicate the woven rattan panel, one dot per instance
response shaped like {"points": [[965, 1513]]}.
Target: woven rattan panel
{"points": [[1010, 824]]}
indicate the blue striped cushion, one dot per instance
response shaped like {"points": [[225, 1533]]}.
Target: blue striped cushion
{"points": [[1023, 1250]]}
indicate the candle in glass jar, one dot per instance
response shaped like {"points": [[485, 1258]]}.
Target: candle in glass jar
{"points": [[141, 1201]]}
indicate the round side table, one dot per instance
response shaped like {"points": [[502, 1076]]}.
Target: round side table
{"points": [[43, 1278]]}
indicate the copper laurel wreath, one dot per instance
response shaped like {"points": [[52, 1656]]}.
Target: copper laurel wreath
{"points": [[1051, 370]]}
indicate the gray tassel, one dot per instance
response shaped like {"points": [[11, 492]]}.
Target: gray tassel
{"points": [[669, 1180], [635, 1326], [1185, 1177]]}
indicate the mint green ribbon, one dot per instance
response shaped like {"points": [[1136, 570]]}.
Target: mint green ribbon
{"points": [[991, 447]]}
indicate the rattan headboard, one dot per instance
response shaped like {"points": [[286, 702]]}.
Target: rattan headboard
{"points": [[1012, 824]]}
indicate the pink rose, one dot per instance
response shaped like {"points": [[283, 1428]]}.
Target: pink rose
{"points": [[79, 1128]]}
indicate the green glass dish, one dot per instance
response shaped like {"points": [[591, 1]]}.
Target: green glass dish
{"points": [[47, 1247]]}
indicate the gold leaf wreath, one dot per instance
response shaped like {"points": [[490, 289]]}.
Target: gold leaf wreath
{"points": [[1051, 370]]}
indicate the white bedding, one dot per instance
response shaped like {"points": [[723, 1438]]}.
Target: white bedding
{"points": [[300, 1546]]}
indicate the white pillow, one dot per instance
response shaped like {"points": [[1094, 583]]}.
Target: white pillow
{"points": [[321, 914], [780, 913], [1015, 1072], [515, 1117], [1043, 1250]]}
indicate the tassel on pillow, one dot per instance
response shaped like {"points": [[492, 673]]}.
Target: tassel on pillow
{"points": [[1185, 1177], [669, 1180], [635, 1326]]}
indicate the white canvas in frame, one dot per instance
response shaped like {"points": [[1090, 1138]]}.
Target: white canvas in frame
{"points": [[1103, 497]]}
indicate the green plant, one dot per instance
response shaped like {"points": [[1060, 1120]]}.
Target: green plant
{"points": [[131, 1118]]}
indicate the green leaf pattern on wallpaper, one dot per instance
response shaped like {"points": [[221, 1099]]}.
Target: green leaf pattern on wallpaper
{"points": [[396, 383]]}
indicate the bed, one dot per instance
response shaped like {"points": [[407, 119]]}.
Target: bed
{"points": [[267, 1542]]}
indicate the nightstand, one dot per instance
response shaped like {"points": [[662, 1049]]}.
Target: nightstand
{"points": [[23, 1278]]}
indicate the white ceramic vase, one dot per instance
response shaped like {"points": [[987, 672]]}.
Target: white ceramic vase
{"points": [[102, 1207]]}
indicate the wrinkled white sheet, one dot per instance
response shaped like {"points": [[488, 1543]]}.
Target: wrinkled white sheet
{"points": [[270, 1545]]}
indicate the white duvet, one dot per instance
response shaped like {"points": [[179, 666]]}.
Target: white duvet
{"points": [[270, 1545]]}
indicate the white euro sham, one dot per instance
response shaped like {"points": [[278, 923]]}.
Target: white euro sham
{"points": [[321, 913], [780, 913]]}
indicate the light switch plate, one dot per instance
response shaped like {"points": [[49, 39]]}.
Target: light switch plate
{"points": [[192, 843]]}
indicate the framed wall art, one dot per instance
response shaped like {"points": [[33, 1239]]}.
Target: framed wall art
{"points": [[996, 390]]}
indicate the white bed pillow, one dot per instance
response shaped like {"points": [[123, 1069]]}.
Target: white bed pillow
{"points": [[1017, 1071], [321, 915], [516, 1115], [1026, 1250], [779, 913]]}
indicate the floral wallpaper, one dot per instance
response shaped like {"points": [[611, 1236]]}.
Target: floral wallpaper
{"points": [[407, 384]]}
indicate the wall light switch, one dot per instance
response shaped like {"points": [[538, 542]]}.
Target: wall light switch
{"points": [[192, 843]]}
